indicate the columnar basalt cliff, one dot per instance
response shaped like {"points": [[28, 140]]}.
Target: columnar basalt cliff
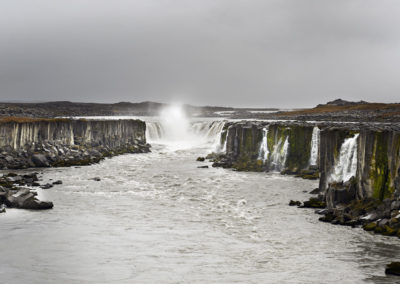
{"points": [[358, 165], [63, 142], [355, 161], [267, 146]]}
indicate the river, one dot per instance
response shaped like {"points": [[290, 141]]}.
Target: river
{"points": [[158, 218]]}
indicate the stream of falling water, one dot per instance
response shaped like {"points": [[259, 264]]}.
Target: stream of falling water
{"points": [[314, 146], [158, 218], [346, 165], [264, 152]]}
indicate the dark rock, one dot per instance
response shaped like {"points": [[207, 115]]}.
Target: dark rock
{"points": [[294, 203], [314, 203], [40, 160], [25, 199], [58, 182], [96, 179], [341, 193], [370, 226], [200, 159], [395, 205], [202, 167], [393, 268], [46, 186]]}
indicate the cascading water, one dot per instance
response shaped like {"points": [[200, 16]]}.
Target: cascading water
{"points": [[346, 165], [264, 152], [175, 129], [279, 154], [314, 146], [154, 131]]}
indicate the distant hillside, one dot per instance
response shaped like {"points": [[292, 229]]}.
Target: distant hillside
{"points": [[347, 111], [66, 108]]}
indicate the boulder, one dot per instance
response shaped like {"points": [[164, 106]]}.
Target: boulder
{"points": [[46, 186], [58, 182], [393, 268], [40, 160], [341, 193], [25, 199]]}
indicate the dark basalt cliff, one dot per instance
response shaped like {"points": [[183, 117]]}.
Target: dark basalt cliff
{"points": [[63, 142], [376, 155]]}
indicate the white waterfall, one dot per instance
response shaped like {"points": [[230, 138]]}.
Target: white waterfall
{"points": [[263, 152], [223, 150], [314, 146], [154, 131], [346, 165], [172, 127], [279, 154]]}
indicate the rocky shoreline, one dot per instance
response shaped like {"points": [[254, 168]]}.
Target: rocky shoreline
{"points": [[36, 143], [18, 191], [364, 191]]}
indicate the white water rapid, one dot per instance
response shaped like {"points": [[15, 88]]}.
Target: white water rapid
{"points": [[314, 146], [346, 165], [264, 152]]}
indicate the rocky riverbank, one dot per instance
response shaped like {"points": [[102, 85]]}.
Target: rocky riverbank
{"points": [[27, 143], [17, 191], [358, 166]]}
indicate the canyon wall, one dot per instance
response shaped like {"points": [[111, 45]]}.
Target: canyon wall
{"points": [[355, 161], [62, 142]]}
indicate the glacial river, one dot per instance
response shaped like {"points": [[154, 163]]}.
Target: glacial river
{"points": [[157, 218]]}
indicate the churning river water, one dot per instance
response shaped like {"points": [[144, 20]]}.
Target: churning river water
{"points": [[157, 218]]}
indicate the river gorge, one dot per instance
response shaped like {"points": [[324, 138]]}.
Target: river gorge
{"points": [[137, 217]]}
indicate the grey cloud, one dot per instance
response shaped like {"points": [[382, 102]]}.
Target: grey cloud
{"points": [[238, 53]]}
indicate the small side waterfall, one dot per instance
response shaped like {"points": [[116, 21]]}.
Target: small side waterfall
{"points": [[154, 131], [346, 165], [264, 152], [314, 146], [279, 154]]}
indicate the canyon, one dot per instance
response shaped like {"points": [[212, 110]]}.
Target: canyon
{"points": [[352, 169]]}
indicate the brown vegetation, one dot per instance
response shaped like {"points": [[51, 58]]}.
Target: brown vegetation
{"points": [[390, 109], [30, 119]]}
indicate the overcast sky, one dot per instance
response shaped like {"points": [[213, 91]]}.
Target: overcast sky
{"points": [[259, 53]]}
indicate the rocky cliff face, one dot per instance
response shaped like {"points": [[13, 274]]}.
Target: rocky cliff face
{"points": [[62, 142], [268, 146], [355, 161]]}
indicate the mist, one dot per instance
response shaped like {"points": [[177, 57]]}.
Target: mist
{"points": [[229, 53]]}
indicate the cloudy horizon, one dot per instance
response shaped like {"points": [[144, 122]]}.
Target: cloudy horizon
{"points": [[255, 53]]}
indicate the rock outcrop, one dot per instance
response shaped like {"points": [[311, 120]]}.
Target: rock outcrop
{"points": [[355, 161], [265, 146], [65, 142]]}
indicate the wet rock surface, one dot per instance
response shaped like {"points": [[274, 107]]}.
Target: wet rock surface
{"points": [[14, 196], [393, 268], [67, 142]]}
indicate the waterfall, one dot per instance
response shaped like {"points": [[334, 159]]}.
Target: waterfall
{"points": [[279, 154], [346, 165], [172, 127], [263, 152], [314, 146], [154, 131]]}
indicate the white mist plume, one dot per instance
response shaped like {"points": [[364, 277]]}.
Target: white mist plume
{"points": [[175, 123]]}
